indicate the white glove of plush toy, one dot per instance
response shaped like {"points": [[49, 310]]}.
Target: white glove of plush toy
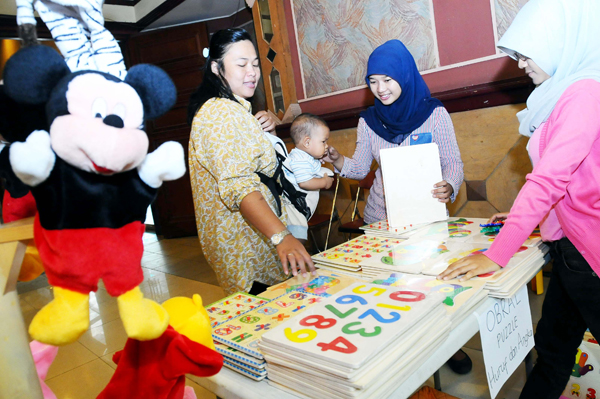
{"points": [[165, 163], [33, 160]]}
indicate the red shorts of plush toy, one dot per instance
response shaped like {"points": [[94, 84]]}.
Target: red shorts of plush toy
{"points": [[75, 259]]}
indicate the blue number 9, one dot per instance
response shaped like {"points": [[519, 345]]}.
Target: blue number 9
{"points": [[348, 299]]}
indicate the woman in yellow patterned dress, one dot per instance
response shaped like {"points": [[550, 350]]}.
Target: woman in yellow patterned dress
{"points": [[241, 236]]}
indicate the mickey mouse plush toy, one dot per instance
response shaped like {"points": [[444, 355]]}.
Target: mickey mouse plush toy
{"points": [[93, 179]]}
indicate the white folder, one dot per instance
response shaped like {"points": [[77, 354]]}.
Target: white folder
{"points": [[409, 174]]}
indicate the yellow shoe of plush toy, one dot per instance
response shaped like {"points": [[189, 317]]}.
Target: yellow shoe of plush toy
{"points": [[142, 318], [188, 317], [63, 320]]}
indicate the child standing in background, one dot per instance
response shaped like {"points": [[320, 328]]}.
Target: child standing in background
{"points": [[303, 165]]}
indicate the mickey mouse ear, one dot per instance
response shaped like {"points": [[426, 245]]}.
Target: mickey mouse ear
{"points": [[32, 73]]}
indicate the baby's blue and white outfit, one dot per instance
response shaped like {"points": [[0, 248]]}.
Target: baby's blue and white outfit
{"points": [[302, 167]]}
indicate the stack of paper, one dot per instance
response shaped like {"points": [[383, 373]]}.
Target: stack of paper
{"points": [[237, 338], [461, 297], [326, 283], [362, 342]]}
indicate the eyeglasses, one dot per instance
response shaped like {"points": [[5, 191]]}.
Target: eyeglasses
{"points": [[521, 57]]}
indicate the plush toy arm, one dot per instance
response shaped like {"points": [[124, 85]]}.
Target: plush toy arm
{"points": [[165, 163], [33, 160]]}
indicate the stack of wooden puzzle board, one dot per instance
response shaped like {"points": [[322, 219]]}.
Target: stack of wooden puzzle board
{"points": [[239, 321], [429, 250], [363, 342]]}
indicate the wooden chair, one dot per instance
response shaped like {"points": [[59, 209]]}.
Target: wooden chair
{"points": [[354, 225], [18, 376]]}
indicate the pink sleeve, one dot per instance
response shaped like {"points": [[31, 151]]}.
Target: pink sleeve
{"points": [[570, 132], [359, 165]]}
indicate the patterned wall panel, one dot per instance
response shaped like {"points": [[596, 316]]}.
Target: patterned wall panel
{"points": [[505, 13], [335, 37]]}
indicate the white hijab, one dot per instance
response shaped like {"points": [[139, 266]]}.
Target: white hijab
{"points": [[563, 38]]}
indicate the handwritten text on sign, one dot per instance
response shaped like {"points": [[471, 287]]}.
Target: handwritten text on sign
{"points": [[506, 337]]}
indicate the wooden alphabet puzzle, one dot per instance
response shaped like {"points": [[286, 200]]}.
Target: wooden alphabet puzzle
{"points": [[232, 307], [244, 332]]}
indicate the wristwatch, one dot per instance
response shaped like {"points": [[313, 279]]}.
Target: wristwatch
{"points": [[277, 238]]}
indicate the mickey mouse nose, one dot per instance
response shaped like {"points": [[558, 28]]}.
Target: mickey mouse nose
{"points": [[114, 121]]}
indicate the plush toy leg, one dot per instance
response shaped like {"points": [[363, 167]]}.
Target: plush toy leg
{"points": [[63, 320], [142, 318]]}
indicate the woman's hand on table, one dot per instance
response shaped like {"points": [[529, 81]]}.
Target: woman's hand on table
{"points": [[442, 191], [498, 216], [470, 266], [293, 256]]}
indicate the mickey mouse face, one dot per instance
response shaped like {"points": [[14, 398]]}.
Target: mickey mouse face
{"points": [[102, 131]]}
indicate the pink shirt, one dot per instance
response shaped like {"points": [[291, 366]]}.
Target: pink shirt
{"points": [[566, 178], [549, 226]]}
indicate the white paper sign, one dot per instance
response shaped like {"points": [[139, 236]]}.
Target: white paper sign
{"points": [[506, 337], [409, 174]]}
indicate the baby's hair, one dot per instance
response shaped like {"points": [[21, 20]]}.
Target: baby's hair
{"points": [[303, 125]]}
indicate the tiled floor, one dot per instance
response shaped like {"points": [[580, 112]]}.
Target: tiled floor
{"points": [[177, 268]]}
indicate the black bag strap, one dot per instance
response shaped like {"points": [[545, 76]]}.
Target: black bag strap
{"points": [[272, 183]]}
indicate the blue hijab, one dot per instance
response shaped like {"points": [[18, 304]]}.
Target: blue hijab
{"points": [[396, 121]]}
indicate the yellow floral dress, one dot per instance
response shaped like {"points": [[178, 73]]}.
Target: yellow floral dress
{"points": [[227, 147]]}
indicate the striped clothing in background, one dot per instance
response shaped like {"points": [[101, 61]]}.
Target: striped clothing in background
{"points": [[77, 27], [437, 128]]}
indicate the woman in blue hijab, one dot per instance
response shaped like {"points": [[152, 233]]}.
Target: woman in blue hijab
{"points": [[404, 114]]}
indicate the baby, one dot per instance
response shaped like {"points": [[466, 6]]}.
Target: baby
{"points": [[303, 166]]}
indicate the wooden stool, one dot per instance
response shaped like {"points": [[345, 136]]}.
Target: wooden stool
{"points": [[537, 284], [18, 376]]}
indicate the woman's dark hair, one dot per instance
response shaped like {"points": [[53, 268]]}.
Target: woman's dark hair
{"points": [[215, 85]]}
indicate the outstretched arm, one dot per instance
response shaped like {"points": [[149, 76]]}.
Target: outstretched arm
{"points": [[165, 163]]}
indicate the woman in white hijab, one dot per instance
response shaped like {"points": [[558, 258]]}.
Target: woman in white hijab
{"points": [[557, 42]]}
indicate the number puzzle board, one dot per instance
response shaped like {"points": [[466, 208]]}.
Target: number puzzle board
{"points": [[233, 306], [326, 283], [355, 324], [350, 254], [457, 293], [244, 332]]}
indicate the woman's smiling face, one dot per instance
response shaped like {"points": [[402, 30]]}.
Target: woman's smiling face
{"points": [[384, 88], [242, 70]]}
